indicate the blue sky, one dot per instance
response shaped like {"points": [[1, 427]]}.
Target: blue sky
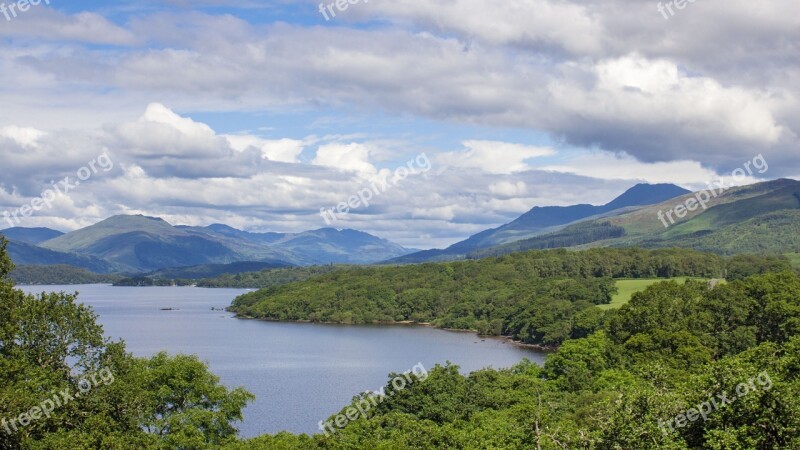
{"points": [[258, 114]]}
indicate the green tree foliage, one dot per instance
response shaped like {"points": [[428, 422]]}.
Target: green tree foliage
{"points": [[58, 274], [267, 278], [49, 343], [622, 379], [627, 386], [743, 266], [539, 297]]}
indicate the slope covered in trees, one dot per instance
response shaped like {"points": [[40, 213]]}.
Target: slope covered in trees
{"points": [[540, 297], [679, 367], [59, 274]]}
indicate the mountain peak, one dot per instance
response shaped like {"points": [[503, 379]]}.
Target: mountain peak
{"points": [[646, 194], [132, 221]]}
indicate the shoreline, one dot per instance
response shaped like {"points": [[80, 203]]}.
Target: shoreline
{"points": [[506, 339]]}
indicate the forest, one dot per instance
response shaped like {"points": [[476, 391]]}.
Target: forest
{"points": [[638, 377], [538, 297], [679, 367]]}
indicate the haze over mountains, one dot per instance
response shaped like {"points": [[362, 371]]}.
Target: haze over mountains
{"points": [[139, 244], [540, 220], [763, 217]]}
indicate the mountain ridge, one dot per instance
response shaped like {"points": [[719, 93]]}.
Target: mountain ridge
{"points": [[758, 218], [543, 219], [142, 244]]}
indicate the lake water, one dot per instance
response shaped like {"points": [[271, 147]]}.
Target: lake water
{"points": [[300, 373]]}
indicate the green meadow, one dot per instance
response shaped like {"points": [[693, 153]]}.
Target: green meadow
{"points": [[626, 289], [795, 259]]}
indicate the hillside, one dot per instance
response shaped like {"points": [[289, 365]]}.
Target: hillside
{"points": [[30, 235], [536, 297], [541, 220], [215, 270], [760, 218], [29, 254], [267, 278], [138, 244], [58, 274]]}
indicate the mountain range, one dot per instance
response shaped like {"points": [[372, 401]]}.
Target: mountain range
{"points": [[140, 244], [542, 220], [759, 218]]}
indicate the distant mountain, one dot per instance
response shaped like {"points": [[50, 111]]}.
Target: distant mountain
{"points": [[541, 220], [139, 244], [323, 246], [30, 235], [760, 218], [328, 245], [28, 254], [266, 238], [142, 244]]}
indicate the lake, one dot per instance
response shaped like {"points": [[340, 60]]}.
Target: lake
{"points": [[300, 373]]}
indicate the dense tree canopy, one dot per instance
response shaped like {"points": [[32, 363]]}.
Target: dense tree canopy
{"points": [[54, 358], [644, 381], [538, 297], [682, 366]]}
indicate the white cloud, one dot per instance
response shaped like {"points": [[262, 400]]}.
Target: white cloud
{"points": [[494, 156], [508, 189], [282, 150], [610, 166], [160, 132], [352, 157], [535, 23], [25, 136], [49, 24], [655, 100]]}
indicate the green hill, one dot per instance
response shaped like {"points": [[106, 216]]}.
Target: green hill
{"points": [[59, 274], [760, 218], [538, 297], [139, 244], [541, 220]]}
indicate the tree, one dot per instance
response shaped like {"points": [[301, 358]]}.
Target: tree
{"points": [[52, 350]]}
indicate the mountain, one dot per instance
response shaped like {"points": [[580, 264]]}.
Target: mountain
{"points": [[329, 245], [266, 238], [28, 254], [139, 244], [30, 235], [759, 218], [542, 220]]}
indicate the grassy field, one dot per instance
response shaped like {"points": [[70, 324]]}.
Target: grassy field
{"points": [[795, 259], [629, 287]]}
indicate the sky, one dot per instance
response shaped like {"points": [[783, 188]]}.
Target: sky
{"points": [[260, 114]]}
